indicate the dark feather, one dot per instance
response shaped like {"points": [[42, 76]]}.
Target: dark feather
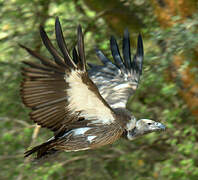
{"points": [[140, 48], [140, 53], [81, 52], [126, 50], [103, 58], [40, 66], [42, 150], [59, 60], [43, 60], [62, 44], [138, 58], [75, 56], [116, 54]]}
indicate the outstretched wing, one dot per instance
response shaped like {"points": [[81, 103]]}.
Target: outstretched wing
{"points": [[118, 81], [59, 92]]}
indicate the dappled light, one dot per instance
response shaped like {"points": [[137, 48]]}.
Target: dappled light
{"points": [[167, 91]]}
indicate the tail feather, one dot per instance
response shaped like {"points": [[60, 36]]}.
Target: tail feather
{"points": [[44, 149]]}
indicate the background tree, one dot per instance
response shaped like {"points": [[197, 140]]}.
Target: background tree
{"points": [[168, 89]]}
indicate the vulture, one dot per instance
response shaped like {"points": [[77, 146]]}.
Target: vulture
{"points": [[84, 108]]}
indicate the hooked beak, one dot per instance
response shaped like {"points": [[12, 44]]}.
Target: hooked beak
{"points": [[159, 126]]}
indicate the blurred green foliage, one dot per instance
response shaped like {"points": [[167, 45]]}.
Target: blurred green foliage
{"points": [[168, 155]]}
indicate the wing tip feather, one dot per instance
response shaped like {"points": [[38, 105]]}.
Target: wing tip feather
{"points": [[81, 52], [126, 32], [140, 48]]}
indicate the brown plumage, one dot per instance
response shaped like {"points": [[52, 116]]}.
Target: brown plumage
{"points": [[65, 100], [48, 88]]}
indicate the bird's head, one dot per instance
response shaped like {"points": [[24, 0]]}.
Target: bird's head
{"points": [[144, 126]]}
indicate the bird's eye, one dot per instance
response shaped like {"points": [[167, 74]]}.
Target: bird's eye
{"points": [[149, 124]]}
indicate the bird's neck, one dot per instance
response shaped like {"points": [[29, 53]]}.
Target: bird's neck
{"points": [[123, 116], [134, 133]]}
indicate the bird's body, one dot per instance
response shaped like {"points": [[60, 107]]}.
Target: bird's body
{"points": [[84, 109], [86, 137]]}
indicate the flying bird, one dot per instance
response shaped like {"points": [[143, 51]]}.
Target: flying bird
{"points": [[85, 109]]}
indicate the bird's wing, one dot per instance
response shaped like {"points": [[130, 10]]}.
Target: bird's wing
{"points": [[60, 92], [118, 81]]}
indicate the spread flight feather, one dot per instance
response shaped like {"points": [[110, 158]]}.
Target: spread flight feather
{"points": [[60, 91], [117, 82]]}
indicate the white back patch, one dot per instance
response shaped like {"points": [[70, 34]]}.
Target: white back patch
{"points": [[90, 138], [80, 131]]}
